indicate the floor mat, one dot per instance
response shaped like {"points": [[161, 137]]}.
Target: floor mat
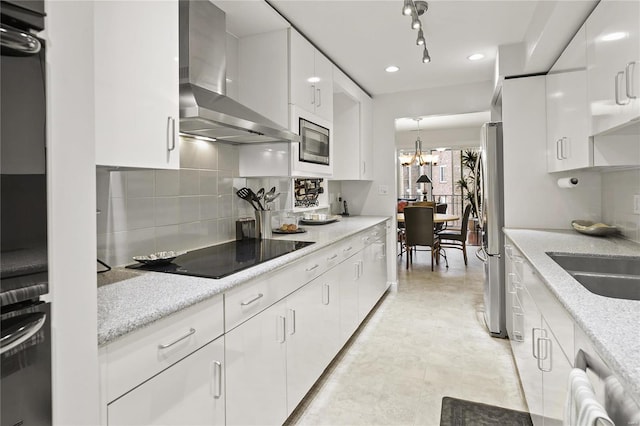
{"points": [[459, 412]]}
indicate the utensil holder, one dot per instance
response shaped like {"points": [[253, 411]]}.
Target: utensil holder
{"points": [[263, 224]]}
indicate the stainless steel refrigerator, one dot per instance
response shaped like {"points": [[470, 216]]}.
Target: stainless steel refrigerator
{"points": [[491, 220]]}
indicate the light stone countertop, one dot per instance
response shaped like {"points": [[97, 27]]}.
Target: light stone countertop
{"points": [[611, 324], [129, 300]]}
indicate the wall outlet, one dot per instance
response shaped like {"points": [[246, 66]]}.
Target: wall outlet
{"points": [[636, 204], [383, 189]]}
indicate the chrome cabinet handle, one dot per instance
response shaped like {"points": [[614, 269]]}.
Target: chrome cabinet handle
{"points": [[312, 268], [332, 257], [253, 299], [326, 294], [216, 379], [630, 68], [292, 315], [534, 343], [18, 43], [179, 339], [383, 254], [171, 133], [558, 153], [548, 352], [281, 329], [357, 271], [319, 104], [364, 167], [517, 320], [348, 249], [313, 94], [508, 249], [563, 140], [617, 87], [512, 288]]}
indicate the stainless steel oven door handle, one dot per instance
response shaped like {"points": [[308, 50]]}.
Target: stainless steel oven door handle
{"points": [[18, 43], [22, 329]]}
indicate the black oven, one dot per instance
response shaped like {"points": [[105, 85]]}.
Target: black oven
{"points": [[25, 344], [314, 144]]}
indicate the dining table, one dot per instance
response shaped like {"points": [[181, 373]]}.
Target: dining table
{"points": [[437, 217]]}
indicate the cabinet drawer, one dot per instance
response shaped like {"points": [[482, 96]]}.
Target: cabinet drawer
{"points": [[251, 298], [142, 354], [352, 246]]}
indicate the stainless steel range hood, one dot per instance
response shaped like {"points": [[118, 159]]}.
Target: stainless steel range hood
{"points": [[205, 110]]}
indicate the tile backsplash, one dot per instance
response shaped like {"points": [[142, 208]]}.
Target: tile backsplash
{"points": [[145, 211], [618, 189]]}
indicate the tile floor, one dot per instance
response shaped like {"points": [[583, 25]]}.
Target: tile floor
{"points": [[423, 342]]}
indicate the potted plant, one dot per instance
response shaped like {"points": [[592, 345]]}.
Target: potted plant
{"points": [[470, 186]]}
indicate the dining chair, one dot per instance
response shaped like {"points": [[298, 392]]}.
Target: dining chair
{"points": [[418, 223], [441, 208], [456, 237]]}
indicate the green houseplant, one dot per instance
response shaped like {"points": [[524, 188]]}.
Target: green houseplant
{"points": [[470, 186]]}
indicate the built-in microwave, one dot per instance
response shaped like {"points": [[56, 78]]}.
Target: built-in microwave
{"points": [[314, 142], [312, 156]]}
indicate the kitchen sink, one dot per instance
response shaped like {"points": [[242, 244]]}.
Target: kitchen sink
{"points": [[610, 276]]}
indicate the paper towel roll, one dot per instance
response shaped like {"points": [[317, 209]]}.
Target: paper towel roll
{"points": [[570, 182]]}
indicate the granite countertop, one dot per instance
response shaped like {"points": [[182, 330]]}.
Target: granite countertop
{"points": [[611, 324], [129, 300]]}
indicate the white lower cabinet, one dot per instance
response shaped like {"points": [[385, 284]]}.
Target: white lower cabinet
{"points": [[256, 363], [350, 274], [540, 351], [313, 330], [280, 333], [374, 276], [189, 392]]}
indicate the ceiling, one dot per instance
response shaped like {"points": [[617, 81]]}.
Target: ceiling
{"points": [[364, 37]]}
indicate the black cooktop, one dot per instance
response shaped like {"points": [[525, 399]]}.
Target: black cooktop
{"points": [[225, 259]]}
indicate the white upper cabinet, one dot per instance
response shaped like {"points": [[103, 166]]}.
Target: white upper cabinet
{"points": [[613, 56], [263, 83], [568, 145], [136, 91], [311, 77], [352, 130]]}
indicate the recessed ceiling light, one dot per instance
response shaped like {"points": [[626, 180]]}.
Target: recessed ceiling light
{"points": [[313, 79], [613, 36], [475, 57], [391, 68]]}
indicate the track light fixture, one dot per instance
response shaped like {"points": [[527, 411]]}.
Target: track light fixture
{"points": [[425, 56], [407, 8], [415, 9]]}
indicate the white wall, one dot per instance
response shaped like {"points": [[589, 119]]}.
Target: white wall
{"points": [[365, 197], [618, 189], [461, 137], [72, 206], [532, 197]]}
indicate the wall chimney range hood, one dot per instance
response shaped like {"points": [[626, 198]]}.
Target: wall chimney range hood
{"points": [[205, 110]]}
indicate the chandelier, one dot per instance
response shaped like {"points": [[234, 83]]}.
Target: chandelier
{"points": [[418, 157], [415, 9]]}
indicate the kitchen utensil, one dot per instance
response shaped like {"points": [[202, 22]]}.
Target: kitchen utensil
{"points": [[245, 194], [271, 192], [270, 199], [260, 194], [255, 198]]}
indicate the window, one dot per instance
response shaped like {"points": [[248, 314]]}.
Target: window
{"points": [[443, 173]]}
